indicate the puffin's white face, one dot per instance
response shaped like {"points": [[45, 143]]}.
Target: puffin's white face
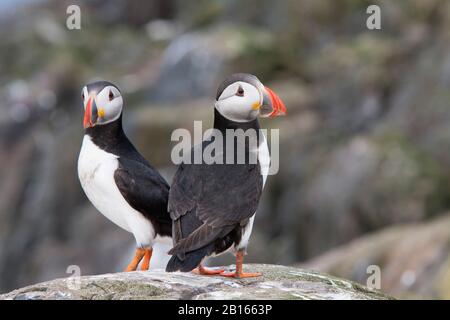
{"points": [[242, 98], [102, 104], [240, 102]]}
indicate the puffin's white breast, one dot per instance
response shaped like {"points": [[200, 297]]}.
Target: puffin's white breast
{"points": [[264, 163], [96, 169], [264, 158]]}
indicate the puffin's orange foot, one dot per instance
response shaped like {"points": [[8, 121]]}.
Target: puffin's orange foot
{"points": [[241, 275], [147, 256], [137, 258], [207, 272]]}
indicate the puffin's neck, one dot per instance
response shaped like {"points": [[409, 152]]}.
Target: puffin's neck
{"points": [[107, 135], [221, 123]]}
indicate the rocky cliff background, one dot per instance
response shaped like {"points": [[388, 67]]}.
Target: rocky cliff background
{"points": [[365, 148]]}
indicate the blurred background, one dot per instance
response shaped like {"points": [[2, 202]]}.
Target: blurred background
{"points": [[365, 149]]}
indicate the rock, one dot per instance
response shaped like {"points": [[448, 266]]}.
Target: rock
{"points": [[277, 282], [414, 259]]}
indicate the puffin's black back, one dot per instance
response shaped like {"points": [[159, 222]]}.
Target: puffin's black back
{"points": [[210, 204]]}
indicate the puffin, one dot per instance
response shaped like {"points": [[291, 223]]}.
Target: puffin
{"points": [[213, 205], [116, 178]]}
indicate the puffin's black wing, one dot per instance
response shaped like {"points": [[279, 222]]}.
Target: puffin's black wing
{"points": [[207, 202], [146, 191], [183, 198]]}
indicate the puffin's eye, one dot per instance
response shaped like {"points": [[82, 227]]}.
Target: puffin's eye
{"points": [[240, 92], [111, 95], [82, 96]]}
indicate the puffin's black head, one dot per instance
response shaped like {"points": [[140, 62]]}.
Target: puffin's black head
{"points": [[242, 97], [102, 103]]}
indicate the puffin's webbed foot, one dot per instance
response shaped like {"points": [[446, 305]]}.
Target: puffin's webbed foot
{"points": [[239, 273], [207, 272]]}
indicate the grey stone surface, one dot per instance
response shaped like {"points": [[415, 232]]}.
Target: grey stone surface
{"points": [[277, 282]]}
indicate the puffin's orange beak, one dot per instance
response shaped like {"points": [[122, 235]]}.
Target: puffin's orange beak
{"points": [[90, 114], [279, 109], [272, 104], [87, 114]]}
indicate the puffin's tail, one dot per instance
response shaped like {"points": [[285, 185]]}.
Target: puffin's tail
{"points": [[190, 262]]}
